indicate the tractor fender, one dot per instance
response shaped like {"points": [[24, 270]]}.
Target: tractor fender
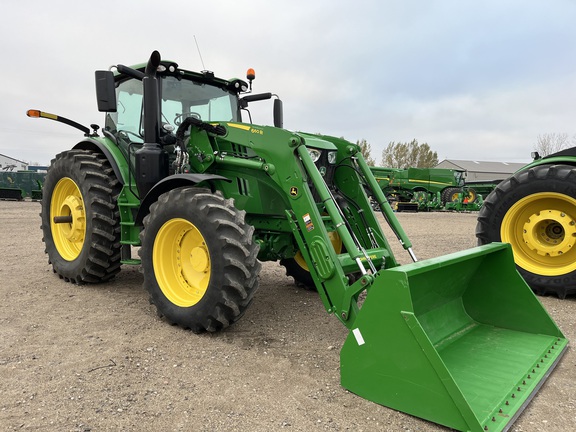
{"points": [[95, 145], [564, 157], [172, 182]]}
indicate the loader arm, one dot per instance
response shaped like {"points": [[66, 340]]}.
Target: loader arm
{"points": [[312, 209]]}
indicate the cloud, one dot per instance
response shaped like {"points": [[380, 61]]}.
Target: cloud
{"points": [[475, 81]]}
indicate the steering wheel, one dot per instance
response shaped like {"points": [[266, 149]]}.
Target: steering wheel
{"points": [[180, 117]]}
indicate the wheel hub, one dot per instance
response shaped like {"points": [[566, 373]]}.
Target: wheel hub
{"points": [[550, 233], [66, 201], [73, 206], [199, 259], [182, 262]]}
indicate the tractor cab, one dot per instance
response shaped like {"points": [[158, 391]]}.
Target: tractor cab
{"points": [[182, 94]]}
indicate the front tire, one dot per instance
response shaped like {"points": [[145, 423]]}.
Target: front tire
{"points": [[199, 260], [535, 211], [83, 243]]}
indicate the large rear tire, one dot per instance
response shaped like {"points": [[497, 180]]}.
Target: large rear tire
{"points": [[83, 243], [535, 211], [199, 260]]}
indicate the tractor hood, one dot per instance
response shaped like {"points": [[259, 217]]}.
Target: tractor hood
{"points": [[316, 141]]}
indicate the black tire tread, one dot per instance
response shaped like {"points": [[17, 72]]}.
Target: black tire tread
{"points": [[100, 259], [541, 178], [237, 250], [446, 195], [302, 278]]}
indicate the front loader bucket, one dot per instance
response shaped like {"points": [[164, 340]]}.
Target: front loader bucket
{"points": [[459, 340]]}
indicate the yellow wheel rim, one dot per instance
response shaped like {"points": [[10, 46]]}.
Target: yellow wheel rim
{"points": [[336, 244], [542, 231], [181, 262], [67, 201]]}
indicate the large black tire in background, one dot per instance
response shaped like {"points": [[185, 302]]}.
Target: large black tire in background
{"points": [[450, 194], [199, 260], [535, 211], [83, 242], [472, 195]]}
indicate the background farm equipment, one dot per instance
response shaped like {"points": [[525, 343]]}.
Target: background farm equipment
{"points": [[207, 197], [465, 200], [17, 185], [431, 188]]}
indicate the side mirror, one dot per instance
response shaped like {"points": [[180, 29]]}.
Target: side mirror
{"points": [[278, 114], [105, 91]]}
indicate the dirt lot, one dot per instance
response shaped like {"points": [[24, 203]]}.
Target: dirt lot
{"points": [[97, 358]]}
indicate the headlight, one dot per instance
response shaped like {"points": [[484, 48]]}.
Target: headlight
{"points": [[332, 157], [314, 154]]}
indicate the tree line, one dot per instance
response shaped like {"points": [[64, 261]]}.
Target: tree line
{"points": [[419, 155], [553, 142], [401, 155]]}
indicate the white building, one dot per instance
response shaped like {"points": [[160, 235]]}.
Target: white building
{"points": [[477, 171], [10, 164]]}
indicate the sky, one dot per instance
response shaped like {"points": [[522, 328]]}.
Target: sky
{"points": [[474, 80]]}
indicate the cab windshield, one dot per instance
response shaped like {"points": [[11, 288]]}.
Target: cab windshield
{"points": [[459, 178], [181, 98]]}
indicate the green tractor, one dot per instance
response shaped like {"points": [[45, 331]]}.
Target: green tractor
{"points": [[207, 197], [535, 211]]}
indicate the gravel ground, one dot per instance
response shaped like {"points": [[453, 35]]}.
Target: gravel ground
{"points": [[97, 358]]}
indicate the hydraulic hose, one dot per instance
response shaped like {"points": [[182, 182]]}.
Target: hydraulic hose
{"points": [[193, 121]]}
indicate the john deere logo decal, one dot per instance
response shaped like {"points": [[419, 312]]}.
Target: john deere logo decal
{"points": [[293, 191]]}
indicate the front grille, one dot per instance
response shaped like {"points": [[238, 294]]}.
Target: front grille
{"points": [[328, 174]]}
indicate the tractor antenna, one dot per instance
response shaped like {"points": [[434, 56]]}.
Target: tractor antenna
{"points": [[199, 53]]}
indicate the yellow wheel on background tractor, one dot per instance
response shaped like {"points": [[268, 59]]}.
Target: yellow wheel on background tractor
{"points": [[535, 211], [80, 217], [199, 259], [450, 194], [542, 231], [471, 195]]}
